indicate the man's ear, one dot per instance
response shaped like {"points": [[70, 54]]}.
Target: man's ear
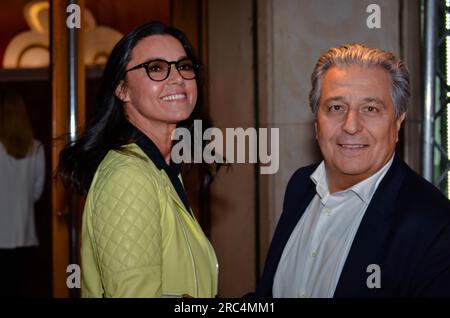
{"points": [[315, 126], [122, 92], [399, 122]]}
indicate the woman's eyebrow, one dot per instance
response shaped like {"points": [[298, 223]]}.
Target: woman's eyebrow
{"points": [[164, 59]]}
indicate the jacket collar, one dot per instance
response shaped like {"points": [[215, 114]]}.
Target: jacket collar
{"points": [[363, 189], [172, 170], [152, 151], [372, 234]]}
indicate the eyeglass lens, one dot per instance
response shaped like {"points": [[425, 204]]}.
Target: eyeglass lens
{"points": [[158, 70]]}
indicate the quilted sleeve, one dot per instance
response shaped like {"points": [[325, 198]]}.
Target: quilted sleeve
{"points": [[126, 232]]}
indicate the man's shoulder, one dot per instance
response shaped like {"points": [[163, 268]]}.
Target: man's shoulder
{"points": [[303, 174], [424, 198], [300, 182], [305, 171], [421, 189]]}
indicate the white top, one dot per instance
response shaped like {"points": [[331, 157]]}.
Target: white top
{"points": [[315, 253], [21, 185]]}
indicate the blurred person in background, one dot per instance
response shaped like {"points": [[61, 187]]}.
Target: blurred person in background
{"points": [[22, 176]]}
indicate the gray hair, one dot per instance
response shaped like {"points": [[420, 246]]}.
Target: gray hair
{"points": [[358, 54]]}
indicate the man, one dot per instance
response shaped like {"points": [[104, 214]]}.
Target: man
{"points": [[361, 223]]}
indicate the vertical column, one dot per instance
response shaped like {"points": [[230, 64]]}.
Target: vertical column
{"points": [[428, 115], [61, 126]]}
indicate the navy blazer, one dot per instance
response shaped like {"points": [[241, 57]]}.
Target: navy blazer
{"points": [[405, 230]]}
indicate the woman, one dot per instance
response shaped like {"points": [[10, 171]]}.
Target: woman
{"points": [[22, 176], [139, 235]]}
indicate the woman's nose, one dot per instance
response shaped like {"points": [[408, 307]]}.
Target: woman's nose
{"points": [[174, 76]]}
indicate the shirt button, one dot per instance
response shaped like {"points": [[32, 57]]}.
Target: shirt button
{"points": [[314, 254], [327, 212]]}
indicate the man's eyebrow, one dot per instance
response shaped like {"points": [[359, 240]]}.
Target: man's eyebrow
{"points": [[334, 99], [373, 100]]}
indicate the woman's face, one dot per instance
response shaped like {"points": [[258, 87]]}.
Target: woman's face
{"points": [[151, 103]]}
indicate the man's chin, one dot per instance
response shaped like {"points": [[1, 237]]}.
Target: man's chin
{"points": [[354, 169]]}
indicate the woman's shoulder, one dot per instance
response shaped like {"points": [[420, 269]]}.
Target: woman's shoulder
{"points": [[125, 172], [129, 162], [128, 157]]}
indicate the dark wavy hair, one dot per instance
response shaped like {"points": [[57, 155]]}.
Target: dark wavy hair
{"points": [[109, 129]]}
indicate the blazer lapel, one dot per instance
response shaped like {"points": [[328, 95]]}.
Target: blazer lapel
{"points": [[293, 214], [297, 198], [371, 237]]}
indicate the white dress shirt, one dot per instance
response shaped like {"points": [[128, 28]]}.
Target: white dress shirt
{"points": [[21, 184], [315, 253]]}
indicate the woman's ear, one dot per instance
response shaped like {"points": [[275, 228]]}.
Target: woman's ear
{"points": [[122, 92]]}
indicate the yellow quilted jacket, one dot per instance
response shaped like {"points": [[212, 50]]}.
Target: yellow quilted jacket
{"points": [[138, 239]]}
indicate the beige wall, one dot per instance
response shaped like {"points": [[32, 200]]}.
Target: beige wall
{"points": [[230, 82]]}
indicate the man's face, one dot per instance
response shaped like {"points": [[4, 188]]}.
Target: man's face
{"points": [[356, 126]]}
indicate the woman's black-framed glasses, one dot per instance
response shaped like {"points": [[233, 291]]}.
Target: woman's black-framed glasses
{"points": [[159, 69]]}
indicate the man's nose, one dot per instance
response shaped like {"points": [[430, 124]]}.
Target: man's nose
{"points": [[352, 123]]}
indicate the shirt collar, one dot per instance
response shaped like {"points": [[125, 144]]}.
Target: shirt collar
{"points": [[319, 177], [364, 189]]}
